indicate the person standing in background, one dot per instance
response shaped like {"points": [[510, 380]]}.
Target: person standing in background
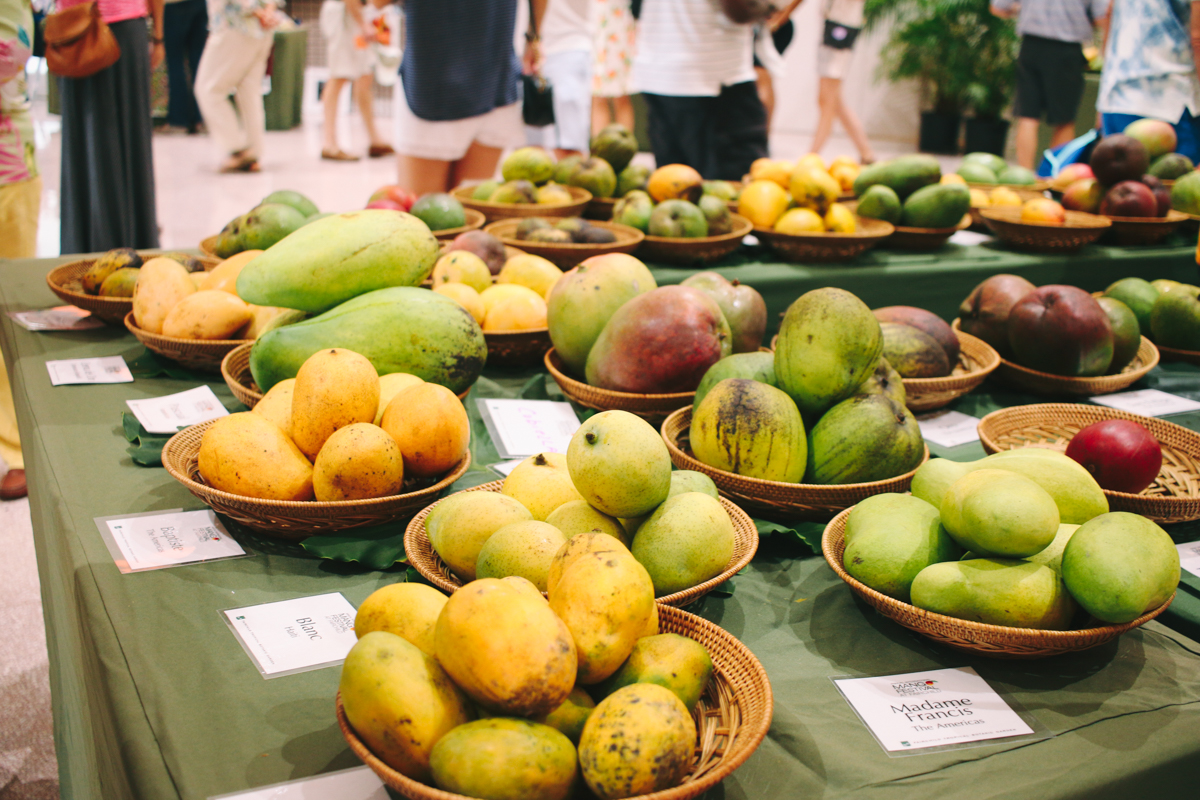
{"points": [[564, 50], [185, 29], [107, 183], [1050, 66], [234, 62], [347, 33], [843, 21], [614, 37]]}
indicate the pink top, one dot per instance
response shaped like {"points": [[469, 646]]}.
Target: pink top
{"points": [[113, 10]]}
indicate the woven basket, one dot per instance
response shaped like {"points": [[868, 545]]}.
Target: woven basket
{"points": [[775, 499], [993, 641], [423, 558], [1186, 356], [495, 211], [208, 247], [1173, 497], [290, 519], [566, 256], [826, 248], [1079, 230], [64, 281], [1037, 382], [475, 221], [702, 250], [653, 408], [600, 208], [1023, 191], [517, 348], [1145, 230], [732, 718], [905, 238], [976, 360], [199, 354]]}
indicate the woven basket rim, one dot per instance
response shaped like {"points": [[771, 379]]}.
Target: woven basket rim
{"points": [[742, 226], [875, 229], [1173, 217], [208, 246], [948, 382], [931, 232], [1175, 351], [513, 335], [55, 278], [463, 194], [1075, 220], [562, 379], [159, 339], [627, 236], [1122, 379], [475, 220], [1036, 187]]}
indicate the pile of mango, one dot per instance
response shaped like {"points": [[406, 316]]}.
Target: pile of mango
{"points": [[495, 692], [337, 431], [825, 408], [615, 479], [1022, 538], [571, 230], [800, 198], [911, 191], [277, 215], [990, 169], [676, 203], [1167, 312], [516, 301]]}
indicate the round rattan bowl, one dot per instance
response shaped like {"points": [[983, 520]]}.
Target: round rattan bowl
{"points": [[826, 248], [290, 519], [1079, 230], [64, 281], [517, 348], [653, 408], [1173, 497], [1145, 230], [976, 360], [1037, 382], [701, 250], [495, 211], [199, 354], [600, 208], [208, 246], [732, 718], [993, 641], [565, 256], [426, 561], [1172, 354], [475, 221], [775, 499]]}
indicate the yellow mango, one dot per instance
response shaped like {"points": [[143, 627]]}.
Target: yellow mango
{"points": [[576, 516], [579, 545], [197, 280], [334, 388], [459, 526], [465, 296], [162, 283], [431, 426], [506, 758], [358, 462], [541, 483], [461, 266], [247, 455], [223, 277], [265, 318], [276, 405], [525, 549], [533, 272], [409, 610], [207, 315], [391, 385], [503, 291], [516, 314]]}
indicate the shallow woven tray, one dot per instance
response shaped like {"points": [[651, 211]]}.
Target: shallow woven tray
{"points": [[517, 348], [566, 256], [600, 208], [475, 221], [1079, 230], [993, 641], [702, 250], [64, 281], [495, 211], [208, 247], [1186, 356], [1145, 230], [199, 354], [1173, 497], [732, 718], [653, 408], [1026, 191], [1044, 383], [828, 247], [776, 499], [423, 558], [290, 519], [976, 360]]}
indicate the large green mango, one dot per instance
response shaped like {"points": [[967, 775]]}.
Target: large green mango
{"points": [[337, 258], [401, 329], [942, 205], [866, 438], [903, 175]]}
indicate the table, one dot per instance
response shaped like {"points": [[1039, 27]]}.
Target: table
{"points": [[153, 698]]}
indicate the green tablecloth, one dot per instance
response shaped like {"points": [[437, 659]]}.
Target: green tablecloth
{"points": [[154, 699], [286, 99]]}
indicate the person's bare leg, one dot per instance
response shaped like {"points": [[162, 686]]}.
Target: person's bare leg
{"points": [[1062, 134], [422, 175], [827, 97], [560, 154], [624, 107], [479, 164], [329, 97], [854, 129], [366, 107], [601, 113], [766, 91], [1027, 136]]}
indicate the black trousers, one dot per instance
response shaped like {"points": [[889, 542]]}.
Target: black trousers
{"points": [[185, 30], [718, 136]]}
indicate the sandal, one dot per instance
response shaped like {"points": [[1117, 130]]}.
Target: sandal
{"points": [[337, 155], [240, 162], [380, 150]]}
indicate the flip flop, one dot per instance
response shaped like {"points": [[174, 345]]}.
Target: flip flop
{"points": [[337, 155]]}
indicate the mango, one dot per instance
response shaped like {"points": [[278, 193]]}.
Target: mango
{"points": [[462, 266], [939, 206], [524, 549], [533, 272], [276, 405], [619, 463], [431, 427], [466, 297], [333, 389], [338, 258], [903, 175], [391, 385], [399, 701], [121, 283], [885, 380], [686, 541], [914, 353], [996, 591], [246, 454], [106, 265], [993, 512], [458, 526], [1052, 554], [576, 516], [890, 538], [669, 660], [266, 318], [752, 429], [577, 546], [223, 277], [505, 759], [161, 284], [640, 739], [682, 480], [207, 315], [523, 585], [1119, 566], [290, 197], [753, 366], [572, 715], [933, 478], [268, 224], [358, 462], [409, 610], [541, 483], [865, 438]]}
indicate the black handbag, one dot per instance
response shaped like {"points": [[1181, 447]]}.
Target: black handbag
{"points": [[839, 36], [537, 95]]}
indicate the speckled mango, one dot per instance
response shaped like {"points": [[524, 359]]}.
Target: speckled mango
{"points": [[669, 660], [506, 759]]}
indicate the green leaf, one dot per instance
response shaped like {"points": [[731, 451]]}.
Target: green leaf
{"points": [[377, 546], [807, 534], [145, 447], [151, 365]]}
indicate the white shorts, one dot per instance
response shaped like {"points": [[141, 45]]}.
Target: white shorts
{"points": [[833, 63], [449, 141], [570, 75], [343, 58]]}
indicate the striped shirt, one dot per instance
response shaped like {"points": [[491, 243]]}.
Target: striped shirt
{"points": [[459, 60], [113, 10], [688, 48], [1064, 20]]}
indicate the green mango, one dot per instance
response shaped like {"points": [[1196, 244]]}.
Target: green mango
{"points": [[996, 591], [865, 438], [401, 329], [994, 512], [505, 759], [994, 163], [884, 380], [1139, 295], [294, 199], [337, 258], [890, 538], [1015, 175], [268, 224], [939, 206], [1175, 320], [570, 717], [903, 175], [1052, 555], [752, 366], [750, 428], [669, 660], [682, 481], [585, 298], [880, 202], [975, 172], [687, 540], [1119, 566]]}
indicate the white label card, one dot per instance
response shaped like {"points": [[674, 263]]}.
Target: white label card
{"points": [[1189, 557], [522, 428], [292, 636], [110, 369], [968, 238], [160, 539], [505, 468], [931, 709], [949, 428], [59, 318], [169, 414], [356, 783], [1150, 402]]}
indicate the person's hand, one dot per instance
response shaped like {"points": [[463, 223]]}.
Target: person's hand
{"points": [[267, 17], [532, 57], [157, 53]]}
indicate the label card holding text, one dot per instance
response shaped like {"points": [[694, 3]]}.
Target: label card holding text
{"points": [[523, 428], [1189, 557], [949, 428], [293, 636], [159, 539], [59, 318], [1148, 402], [936, 708], [110, 369], [356, 783], [174, 411]]}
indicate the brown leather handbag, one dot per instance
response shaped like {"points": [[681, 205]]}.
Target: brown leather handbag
{"points": [[79, 43]]}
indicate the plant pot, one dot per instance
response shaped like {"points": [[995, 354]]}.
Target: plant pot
{"points": [[939, 132], [987, 135]]}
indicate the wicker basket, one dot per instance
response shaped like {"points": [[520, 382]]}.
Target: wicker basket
{"points": [[475, 221], [1186, 356], [208, 247], [64, 281], [702, 250], [1079, 230], [290, 519], [517, 348], [199, 354], [905, 238], [495, 211], [600, 208], [826, 248], [421, 555], [976, 360], [653, 408], [1037, 382], [993, 641], [566, 256], [775, 499], [1145, 230], [1173, 497], [732, 718]]}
